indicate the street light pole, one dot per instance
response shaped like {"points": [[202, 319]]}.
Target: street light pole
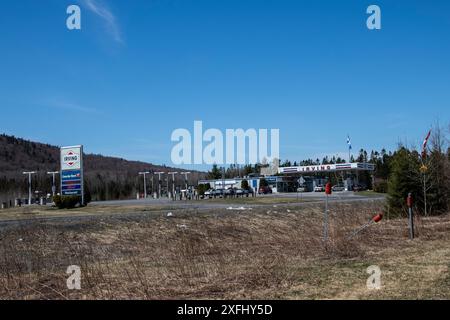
{"points": [[167, 185], [29, 173], [186, 178], [173, 183], [159, 183], [223, 182], [145, 182], [53, 173], [153, 190]]}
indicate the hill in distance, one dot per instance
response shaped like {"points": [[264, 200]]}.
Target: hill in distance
{"points": [[107, 178]]}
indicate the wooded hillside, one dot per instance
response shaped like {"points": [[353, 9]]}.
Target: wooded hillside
{"points": [[106, 177]]}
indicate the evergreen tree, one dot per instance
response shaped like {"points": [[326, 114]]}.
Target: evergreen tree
{"points": [[215, 173], [263, 183], [245, 185], [404, 178]]}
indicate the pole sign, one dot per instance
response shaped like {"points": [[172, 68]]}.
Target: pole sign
{"points": [[72, 172]]}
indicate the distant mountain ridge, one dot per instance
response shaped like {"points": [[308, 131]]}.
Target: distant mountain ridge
{"points": [[106, 177]]}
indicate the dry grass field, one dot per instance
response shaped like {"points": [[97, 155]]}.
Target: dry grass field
{"points": [[271, 252]]}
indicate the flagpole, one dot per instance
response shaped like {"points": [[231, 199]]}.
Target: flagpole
{"points": [[349, 149], [424, 171]]}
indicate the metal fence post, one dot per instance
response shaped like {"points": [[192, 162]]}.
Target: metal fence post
{"points": [[410, 216]]}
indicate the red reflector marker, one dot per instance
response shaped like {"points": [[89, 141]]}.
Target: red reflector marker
{"points": [[377, 218], [409, 201], [328, 189]]}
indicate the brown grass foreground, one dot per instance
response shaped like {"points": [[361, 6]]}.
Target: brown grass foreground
{"points": [[270, 253]]}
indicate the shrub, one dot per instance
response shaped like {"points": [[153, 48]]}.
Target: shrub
{"points": [[404, 179], [381, 187], [244, 185], [67, 202], [201, 188]]}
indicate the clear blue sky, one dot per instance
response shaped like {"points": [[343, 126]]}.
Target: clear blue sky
{"points": [[139, 69]]}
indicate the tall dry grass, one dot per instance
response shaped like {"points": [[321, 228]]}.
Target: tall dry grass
{"points": [[223, 254]]}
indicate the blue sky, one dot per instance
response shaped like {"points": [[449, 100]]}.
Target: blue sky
{"points": [[140, 69]]}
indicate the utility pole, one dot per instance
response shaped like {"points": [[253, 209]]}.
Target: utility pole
{"points": [[159, 183], [173, 183], [29, 173], [53, 173], [145, 182]]}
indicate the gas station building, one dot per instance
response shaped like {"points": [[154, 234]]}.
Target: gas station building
{"points": [[287, 178], [346, 173]]}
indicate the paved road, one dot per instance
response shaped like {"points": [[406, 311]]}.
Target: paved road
{"points": [[162, 206], [219, 203]]}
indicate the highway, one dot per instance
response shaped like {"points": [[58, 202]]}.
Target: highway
{"points": [[136, 210], [309, 197]]}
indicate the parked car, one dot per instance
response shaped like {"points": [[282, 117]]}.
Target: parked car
{"points": [[209, 193], [264, 190], [319, 189], [247, 192], [218, 193], [338, 188], [359, 188], [229, 192], [239, 192]]}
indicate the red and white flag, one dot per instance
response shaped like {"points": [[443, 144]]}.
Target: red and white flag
{"points": [[424, 146]]}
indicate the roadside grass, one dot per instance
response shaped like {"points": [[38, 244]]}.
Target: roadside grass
{"points": [[270, 253], [25, 212], [370, 194]]}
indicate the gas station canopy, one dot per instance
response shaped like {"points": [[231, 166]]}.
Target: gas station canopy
{"points": [[357, 166]]}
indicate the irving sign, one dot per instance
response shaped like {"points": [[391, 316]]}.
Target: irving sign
{"points": [[71, 158], [72, 171]]}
